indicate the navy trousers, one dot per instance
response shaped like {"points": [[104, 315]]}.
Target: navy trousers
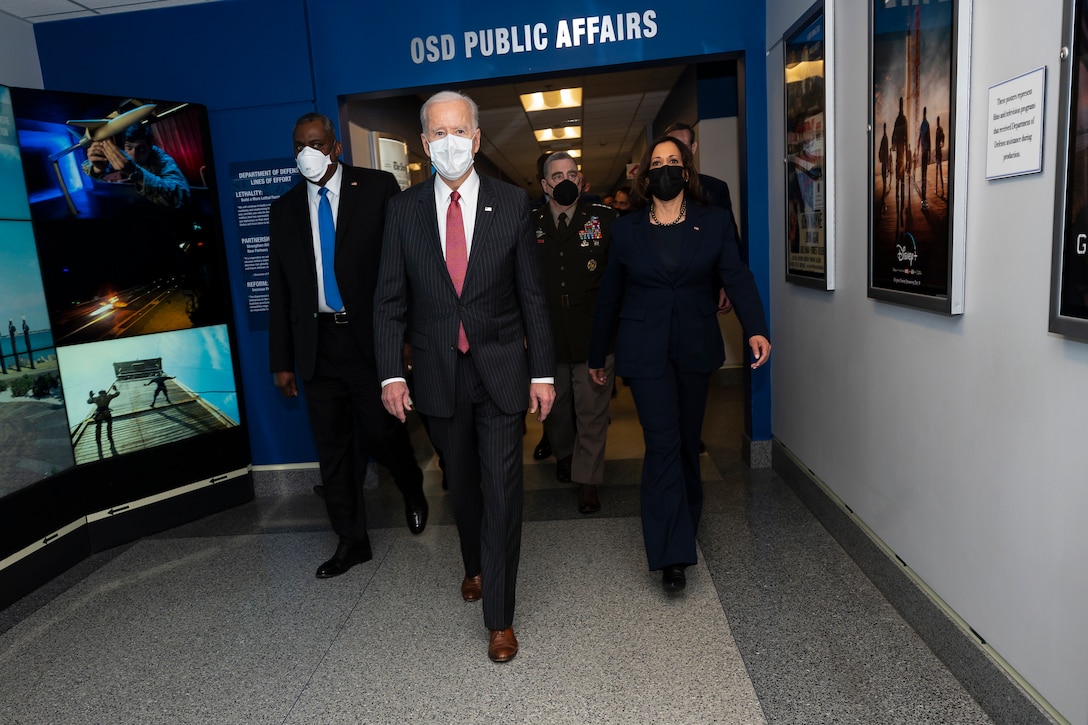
{"points": [[670, 410]]}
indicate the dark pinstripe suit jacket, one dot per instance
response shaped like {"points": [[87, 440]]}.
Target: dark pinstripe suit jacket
{"points": [[502, 302]]}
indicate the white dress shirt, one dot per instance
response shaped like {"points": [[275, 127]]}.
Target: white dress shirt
{"points": [[313, 197]]}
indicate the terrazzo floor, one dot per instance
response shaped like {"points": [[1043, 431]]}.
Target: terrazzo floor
{"points": [[223, 621]]}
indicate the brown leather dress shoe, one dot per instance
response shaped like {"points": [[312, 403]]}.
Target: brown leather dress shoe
{"points": [[503, 645], [472, 588], [588, 500]]}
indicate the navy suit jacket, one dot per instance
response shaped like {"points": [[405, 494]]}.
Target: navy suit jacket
{"points": [[292, 318], [502, 302], [640, 296]]}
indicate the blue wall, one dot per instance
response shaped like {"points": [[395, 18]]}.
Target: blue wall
{"points": [[258, 64]]}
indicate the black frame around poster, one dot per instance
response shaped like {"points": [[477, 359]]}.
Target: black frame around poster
{"points": [[119, 292], [919, 61], [1069, 276], [807, 49]]}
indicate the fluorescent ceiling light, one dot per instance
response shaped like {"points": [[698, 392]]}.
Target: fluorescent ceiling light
{"points": [[566, 133], [550, 100]]}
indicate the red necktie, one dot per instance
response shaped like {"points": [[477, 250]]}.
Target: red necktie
{"points": [[457, 257]]}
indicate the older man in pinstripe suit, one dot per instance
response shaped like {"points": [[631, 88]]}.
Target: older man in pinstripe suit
{"points": [[460, 279]]}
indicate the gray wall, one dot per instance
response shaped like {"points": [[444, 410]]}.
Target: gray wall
{"points": [[959, 441], [18, 54]]}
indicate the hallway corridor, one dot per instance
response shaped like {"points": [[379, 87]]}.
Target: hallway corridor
{"points": [[223, 621]]}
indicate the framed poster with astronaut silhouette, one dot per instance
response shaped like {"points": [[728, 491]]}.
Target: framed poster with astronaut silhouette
{"points": [[1069, 276], [806, 62], [919, 72]]}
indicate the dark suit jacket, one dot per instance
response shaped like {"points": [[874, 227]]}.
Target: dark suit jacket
{"points": [[647, 301], [573, 266], [502, 301], [292, 322]]}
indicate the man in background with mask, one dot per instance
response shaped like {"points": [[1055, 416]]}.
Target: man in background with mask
{"points": [[326, 234], [573, 237], [460, 280]]}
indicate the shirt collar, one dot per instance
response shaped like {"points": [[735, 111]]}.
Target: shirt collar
{"points": [[469, 189], [333, 184]]}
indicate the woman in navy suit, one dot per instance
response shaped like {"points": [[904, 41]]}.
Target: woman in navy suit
{"points": [[668, 263]]}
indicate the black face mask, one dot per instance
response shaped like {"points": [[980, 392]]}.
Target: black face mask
{"points": [[666, 182], [565, 193]]}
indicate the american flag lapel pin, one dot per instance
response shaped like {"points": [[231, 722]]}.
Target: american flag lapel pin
{"points": [[487, 208], [355, 183]]}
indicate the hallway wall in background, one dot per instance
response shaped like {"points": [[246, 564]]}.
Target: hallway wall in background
{"points": [[958, 440]]}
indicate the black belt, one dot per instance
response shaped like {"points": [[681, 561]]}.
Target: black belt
{"points": [[577, 298], [338, 318]]}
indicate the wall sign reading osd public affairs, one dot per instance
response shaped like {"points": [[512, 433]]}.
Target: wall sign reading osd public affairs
{"points": [[254, 186], [1014, 139], [529, 37]]}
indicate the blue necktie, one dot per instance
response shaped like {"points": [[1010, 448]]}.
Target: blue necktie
{"points": [[327, 231]]}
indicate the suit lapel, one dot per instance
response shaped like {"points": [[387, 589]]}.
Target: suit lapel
{"points": [[485, 212], [644, 232], [576, 221], [349, 193], [427, 216], [305, 232], [693, 237]]}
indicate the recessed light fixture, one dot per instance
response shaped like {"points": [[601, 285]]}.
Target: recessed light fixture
{"points": [[551, 100], [566, 133]]}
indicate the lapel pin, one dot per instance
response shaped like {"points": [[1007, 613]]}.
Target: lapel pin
{"points": [[355, 183], [487, 208]]}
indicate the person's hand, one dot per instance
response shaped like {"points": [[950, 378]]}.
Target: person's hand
{"points": [[396, 400], [724, 303], [97, 156], [118, 159], [598, 376], [541, 397], [761, 350], [285, 381]]}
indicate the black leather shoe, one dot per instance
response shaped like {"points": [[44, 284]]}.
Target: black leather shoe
{"points": [[562, 470], [588, 500], [673, 579], [347, 555], [416, 514], [543, 449]]}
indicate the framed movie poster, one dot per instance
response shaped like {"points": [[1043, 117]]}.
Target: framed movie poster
{"points": [[810, 248], [920, 71], [1069, 279]]}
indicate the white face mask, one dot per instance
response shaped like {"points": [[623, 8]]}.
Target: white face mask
{"points": [[451, 156], [312, 163]]}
